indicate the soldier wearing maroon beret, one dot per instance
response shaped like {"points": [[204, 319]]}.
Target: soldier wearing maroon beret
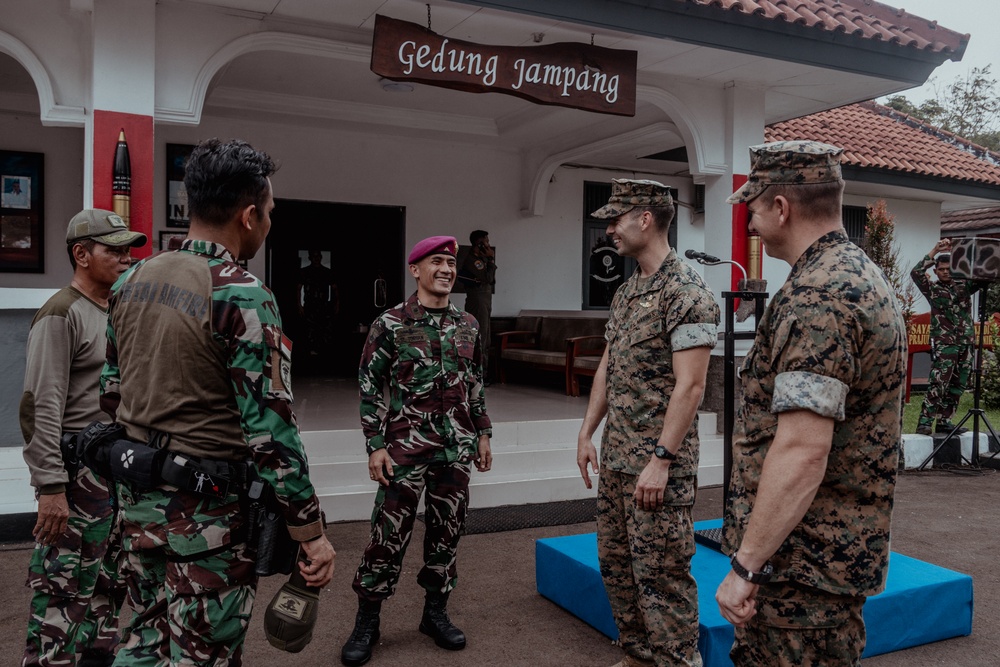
{"points": [[423, 413]]}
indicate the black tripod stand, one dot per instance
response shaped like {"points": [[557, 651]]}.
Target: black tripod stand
{"points": [[976, 413]]}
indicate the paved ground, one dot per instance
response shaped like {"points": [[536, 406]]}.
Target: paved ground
{"points": [[944, 518]]}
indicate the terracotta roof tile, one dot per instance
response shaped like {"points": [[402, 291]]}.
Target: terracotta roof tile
{"points": [[970, 219], [865, 19], [877, 137]]}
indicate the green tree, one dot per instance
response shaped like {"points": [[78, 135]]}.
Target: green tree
{"points": [[880, 245], [968, 107]]}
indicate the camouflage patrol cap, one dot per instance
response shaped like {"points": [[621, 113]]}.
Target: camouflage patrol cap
{"points": [[105, 227], [788, 163], [626, 195]]}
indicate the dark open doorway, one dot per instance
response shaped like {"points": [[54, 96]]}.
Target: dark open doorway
{"points": [[356, 252]]}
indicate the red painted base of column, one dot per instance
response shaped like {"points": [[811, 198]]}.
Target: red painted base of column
{"points": [[740, 248], [139, 135]]}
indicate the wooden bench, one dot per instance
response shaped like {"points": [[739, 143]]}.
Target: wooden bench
{"points": [[570, 342]]}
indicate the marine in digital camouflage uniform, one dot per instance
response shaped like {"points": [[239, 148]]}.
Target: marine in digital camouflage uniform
{"points": [[660, 333], [422, 437], [817, 436], [73, 570], [197, 363], [951, 337]]}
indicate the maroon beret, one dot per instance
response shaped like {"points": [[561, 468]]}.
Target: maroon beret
{"points": [[433, 245]]}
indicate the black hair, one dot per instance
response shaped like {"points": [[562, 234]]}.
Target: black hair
{"points": [[223, 177], [476, 236]]}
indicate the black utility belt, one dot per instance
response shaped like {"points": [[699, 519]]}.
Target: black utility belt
{"points": [[115, 457]]}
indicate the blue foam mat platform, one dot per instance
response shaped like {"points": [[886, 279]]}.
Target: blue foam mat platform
{"points": [[922, 602]]}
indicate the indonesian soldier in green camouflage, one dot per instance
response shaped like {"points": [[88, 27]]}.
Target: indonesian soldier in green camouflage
{"points": [[423, 413], [951, 338], [73, 573], [649, 383], [817, 436], [197, 364]]}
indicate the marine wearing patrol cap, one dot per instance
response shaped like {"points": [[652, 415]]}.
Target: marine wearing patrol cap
{"points": [[433, 245], [627, 194], [788, 163], [105, 227]]}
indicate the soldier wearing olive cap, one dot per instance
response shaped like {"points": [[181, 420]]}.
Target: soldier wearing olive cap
{"points": [[423, 413], [74, 567], [649, 383], [816, 443]]}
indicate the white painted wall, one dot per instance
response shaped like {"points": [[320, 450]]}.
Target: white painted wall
{"points": [[918, 227]]}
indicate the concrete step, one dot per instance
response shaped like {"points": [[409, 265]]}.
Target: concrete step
{"points": [[534, 462], [916, 449]]}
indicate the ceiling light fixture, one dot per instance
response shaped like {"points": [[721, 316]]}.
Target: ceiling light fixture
{"points": [[391, 86]]}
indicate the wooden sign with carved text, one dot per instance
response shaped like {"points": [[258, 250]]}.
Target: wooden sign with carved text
{"points": [[567, 74]]}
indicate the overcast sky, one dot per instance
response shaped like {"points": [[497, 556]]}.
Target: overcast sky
{"points": [[979, 18]]}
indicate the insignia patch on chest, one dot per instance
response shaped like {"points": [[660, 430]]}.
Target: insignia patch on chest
{"points": [[479, 264], [465, 336], [411, 336]]}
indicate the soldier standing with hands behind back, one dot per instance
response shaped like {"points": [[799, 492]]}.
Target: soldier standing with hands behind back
{"points": [[952, 334], [479, 276]]}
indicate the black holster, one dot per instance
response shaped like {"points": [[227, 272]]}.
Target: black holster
{"points": [[70, 454], [94, 444], [268, 537]]}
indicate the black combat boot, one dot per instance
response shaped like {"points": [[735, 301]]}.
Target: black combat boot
{"points": [[358, 649], [93, 657], [436, 624]]}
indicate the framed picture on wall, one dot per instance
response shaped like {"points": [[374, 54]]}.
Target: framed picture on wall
{"points": [[171, 240], [22, 218], [177, 211]]}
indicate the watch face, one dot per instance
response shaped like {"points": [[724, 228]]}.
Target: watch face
{"points": [[662, 452]]}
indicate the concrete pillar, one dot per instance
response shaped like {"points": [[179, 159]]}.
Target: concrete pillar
{"points": [[122, 90]]}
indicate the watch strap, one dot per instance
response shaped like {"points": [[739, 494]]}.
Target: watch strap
{"points": [[761, 577]]}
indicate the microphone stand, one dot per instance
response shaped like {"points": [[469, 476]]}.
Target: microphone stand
{"points": [[712, 537]]}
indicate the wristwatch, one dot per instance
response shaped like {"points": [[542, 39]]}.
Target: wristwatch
{"points": [[662, 452], [761, 577]]}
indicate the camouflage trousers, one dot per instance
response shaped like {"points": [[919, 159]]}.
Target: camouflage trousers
{"points": [[76, 594], [799, 625], [951, 367], [645, 562], [191, 581], [446, 501]]}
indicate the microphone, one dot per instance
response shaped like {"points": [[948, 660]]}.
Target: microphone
{"points": [[701, 257]]}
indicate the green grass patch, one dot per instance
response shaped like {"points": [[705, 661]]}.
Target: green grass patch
{"points": [[911, 413]]}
